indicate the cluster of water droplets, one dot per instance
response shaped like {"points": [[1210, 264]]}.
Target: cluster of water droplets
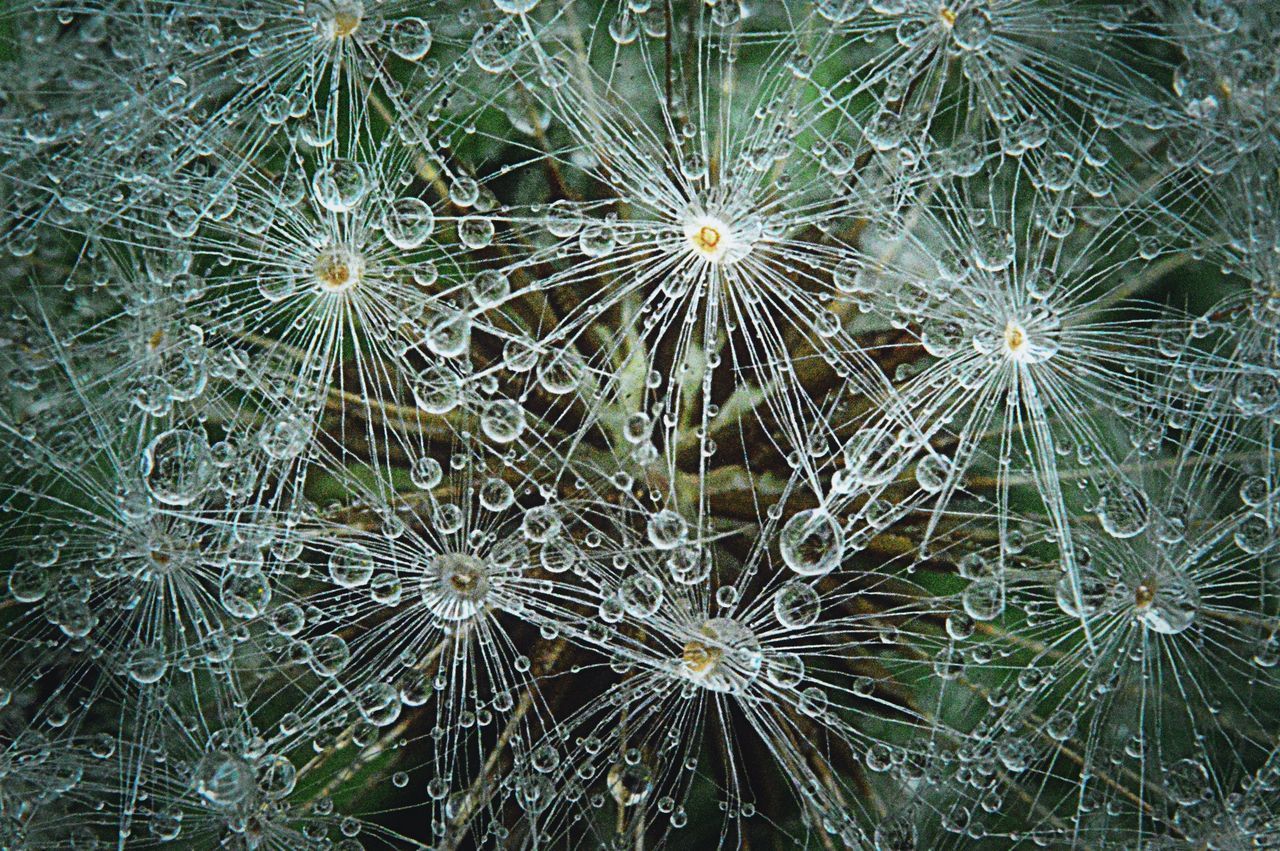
{"points": [[609, 423]]}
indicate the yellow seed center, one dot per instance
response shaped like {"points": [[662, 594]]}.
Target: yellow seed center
{"points": [[335, 276], [1014, 337], [715, 239], [706, 239], [153, 342], [1144, 594], [337, 271], [698, 658], [947, 16], [345, 23], [463, 582]]}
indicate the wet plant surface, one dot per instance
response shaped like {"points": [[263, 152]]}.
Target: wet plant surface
{"points": [[635, 424]]}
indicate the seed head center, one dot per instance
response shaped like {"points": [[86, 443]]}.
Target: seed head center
{"points": [[456, 586], [947, 16], [710, 238], [338, 270], [164, 558], [1144, 594], [465, 578], [699, 658], [707, 238], [722, 656], [345, 23], [463, 582], [337, 19], [347, 17], [1015, 338]]}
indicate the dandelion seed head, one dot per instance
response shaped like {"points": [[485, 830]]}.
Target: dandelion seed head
{"points": [[723, 656], [713, 238], [1015, 340], [164, 554], [339, 19], [622, 376], [1028, 342], [338, 270], [1166, 604], [457, 586]]}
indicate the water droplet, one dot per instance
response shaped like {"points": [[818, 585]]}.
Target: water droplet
{"points": [[812, 542], [410, 38], [350, 565], [147, 664], [223, 779], [276, 776], [625, 26], [489, 289], [784, 670], [641, 595], [408, 222], [796, 605], [1166, 602], [340, 185], [449, 334], [541, 524], [1187, 781], [496, 495], [426, 473], [544, 758], [972, 29], [932, 472], [329, 655], [476, 231], [983, 600], [515, 7], [503, 420], [245, 594], [1093, 593], [630, 784], [723, 656], [1122, 510], [178, 466], [379, 704], [667, 530]]}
